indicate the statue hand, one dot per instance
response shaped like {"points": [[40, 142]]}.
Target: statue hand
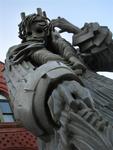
{"points": [[76, 64], [64, 25]]}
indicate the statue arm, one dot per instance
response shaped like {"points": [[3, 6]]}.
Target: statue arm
{"points": [[95, 43], [63, 47], [67, 51]]}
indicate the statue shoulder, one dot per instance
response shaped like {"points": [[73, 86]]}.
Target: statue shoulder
{"points": [[16, 48], [11, 49]]}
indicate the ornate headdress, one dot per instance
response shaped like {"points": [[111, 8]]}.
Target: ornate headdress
{"points": [[27, 21]]}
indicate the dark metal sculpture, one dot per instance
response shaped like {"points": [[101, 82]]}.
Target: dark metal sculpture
{"points": [[53, 87]]}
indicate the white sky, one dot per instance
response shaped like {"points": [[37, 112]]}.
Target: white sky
{"points": [[76, 11]]}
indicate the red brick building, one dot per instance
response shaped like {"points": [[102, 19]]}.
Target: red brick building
{"points": [[12, 135]]}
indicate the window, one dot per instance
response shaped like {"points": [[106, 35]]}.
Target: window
{"points": [[6, 114], [5, 107], [8, 118]]}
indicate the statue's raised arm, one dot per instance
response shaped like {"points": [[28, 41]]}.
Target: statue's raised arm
{"points": [[95, 43], [52, 91]]}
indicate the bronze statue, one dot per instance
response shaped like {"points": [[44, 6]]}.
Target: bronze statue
{"points": [[54, 88]]}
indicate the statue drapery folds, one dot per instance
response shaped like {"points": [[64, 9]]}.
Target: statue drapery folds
{"points": [[54, 88]]}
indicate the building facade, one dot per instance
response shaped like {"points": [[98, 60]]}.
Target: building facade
{"points": [[12, 135]]}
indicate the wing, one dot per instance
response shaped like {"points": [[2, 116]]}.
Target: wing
{"points": [[80, 124], [101, 89]]}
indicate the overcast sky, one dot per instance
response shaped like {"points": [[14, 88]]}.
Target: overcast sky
{"points": [[76, 11]]}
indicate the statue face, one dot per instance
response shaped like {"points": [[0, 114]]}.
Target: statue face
{"points": [[39, 29]]}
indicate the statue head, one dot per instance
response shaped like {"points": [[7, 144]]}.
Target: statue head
{"points": [[34, 26]]}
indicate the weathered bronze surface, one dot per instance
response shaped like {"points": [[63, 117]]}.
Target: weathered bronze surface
{"points": [[54, 88]]}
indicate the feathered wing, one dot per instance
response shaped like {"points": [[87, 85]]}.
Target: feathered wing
{"points": [[101, 89], [80, 125]]}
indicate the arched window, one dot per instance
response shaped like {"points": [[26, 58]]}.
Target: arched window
{"points": [[6, 114]]}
